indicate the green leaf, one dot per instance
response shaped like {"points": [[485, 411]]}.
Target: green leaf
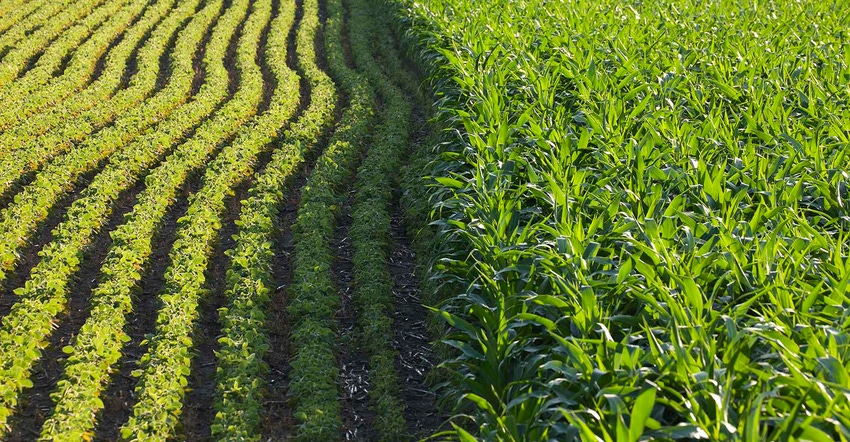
{"points": [[640, 413], [449, 182], [463, 435], [813, 434]]}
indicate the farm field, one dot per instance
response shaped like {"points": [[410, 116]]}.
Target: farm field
{"points": [[384, 220]]}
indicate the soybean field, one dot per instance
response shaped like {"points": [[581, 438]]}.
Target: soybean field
{"points": [[391, 220], [201, 228]]}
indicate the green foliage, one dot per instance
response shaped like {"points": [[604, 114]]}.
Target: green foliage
{"points": [[13, 12], [52, 55], [60, 123], [84, 45], [170, 348], [31, 206], [644, 208], [98, 345], [160, 394]]}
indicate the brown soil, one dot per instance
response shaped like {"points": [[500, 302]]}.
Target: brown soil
{"points": [[278, 421]]}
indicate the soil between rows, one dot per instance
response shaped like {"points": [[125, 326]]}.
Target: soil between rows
{"points": [[357, 417]]}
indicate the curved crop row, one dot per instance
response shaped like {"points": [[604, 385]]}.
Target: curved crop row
{"points": [[315, 299], [53, 55], [239, 375], [99, 342], [44, 295], [17, 59], [166, 365], [33, 144], [371, 227], [26, 95], [31, 206], [13, 12], [22, 28]]}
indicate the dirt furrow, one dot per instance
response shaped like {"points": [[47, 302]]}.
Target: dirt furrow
{"points": [[357, 417], [411, 337]]}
